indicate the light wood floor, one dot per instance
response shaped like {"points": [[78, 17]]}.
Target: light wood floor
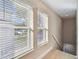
{"points": [[56, 54]]}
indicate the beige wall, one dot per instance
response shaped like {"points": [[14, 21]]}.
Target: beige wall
{"points": [[55, 25], [69, 30]]}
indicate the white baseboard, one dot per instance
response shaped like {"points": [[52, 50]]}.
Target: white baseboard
{"points": [[41, 56]]}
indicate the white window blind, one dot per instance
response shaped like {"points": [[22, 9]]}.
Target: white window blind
{"points": [[1, 9], [6, 33], [6, 40], [17, 31]]}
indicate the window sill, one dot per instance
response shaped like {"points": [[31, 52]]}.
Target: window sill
{"points": [[22, 52], [42, 43]]}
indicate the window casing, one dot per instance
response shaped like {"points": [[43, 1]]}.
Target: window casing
{"points": [[42, 34]]}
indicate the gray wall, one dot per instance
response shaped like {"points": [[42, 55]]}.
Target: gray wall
{"points": [[69, 30]]}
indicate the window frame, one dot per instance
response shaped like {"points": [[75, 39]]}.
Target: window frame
{"points": [[44, 28], [29, 27], [29, 48]]}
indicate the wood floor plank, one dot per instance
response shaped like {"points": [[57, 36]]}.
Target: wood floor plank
{"points": [[56, 54]]}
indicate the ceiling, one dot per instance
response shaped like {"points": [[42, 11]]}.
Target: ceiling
{"points": [[64, 8]]}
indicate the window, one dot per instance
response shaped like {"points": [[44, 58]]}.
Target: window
{"points": [[42, 35], [23, 30], [19, 16]]}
